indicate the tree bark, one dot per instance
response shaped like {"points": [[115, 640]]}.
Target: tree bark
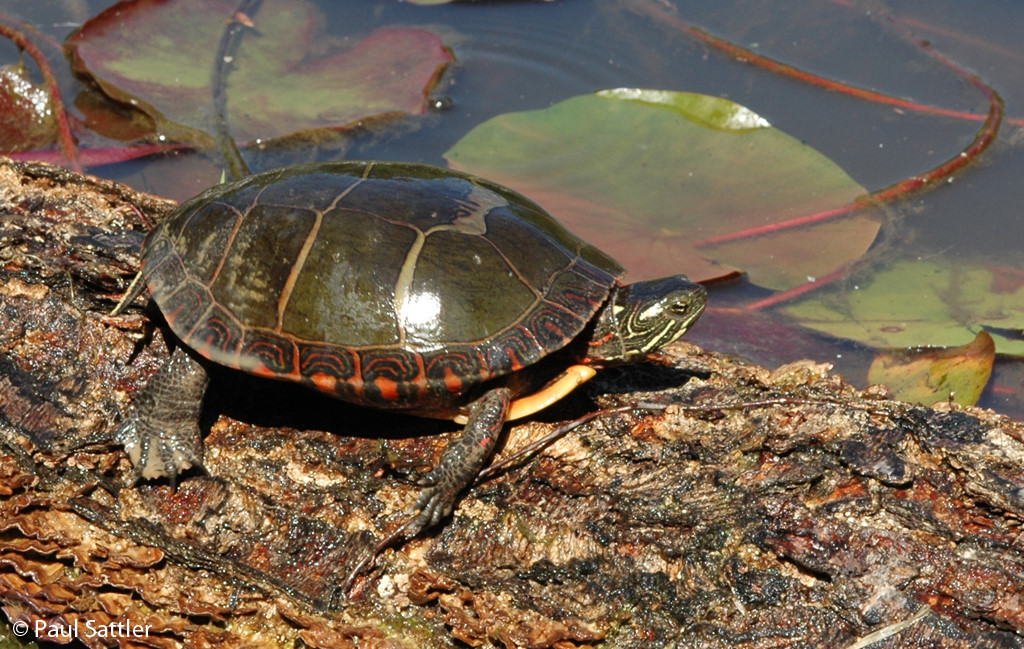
{"points": [[743, 508]]}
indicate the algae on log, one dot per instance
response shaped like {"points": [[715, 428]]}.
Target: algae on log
{"points": [[816, 519]]}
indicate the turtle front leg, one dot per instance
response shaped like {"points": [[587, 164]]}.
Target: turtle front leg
{"points": [[162, 436], [460, 462]]}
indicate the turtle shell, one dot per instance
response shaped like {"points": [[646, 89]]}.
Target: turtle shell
{"points": [[385, 284]]}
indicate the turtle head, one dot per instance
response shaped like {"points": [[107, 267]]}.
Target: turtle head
{"points": [[640, 318]]}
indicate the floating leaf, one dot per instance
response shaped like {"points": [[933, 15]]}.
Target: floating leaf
{"points": [[113, 120], [26, 120], [645, 174], [932, 375], [159, 57], [914, 303]]}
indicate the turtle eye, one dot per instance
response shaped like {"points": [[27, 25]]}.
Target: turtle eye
{"points": [[680, 307]]}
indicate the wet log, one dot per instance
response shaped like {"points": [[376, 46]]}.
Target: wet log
{"points": [[740, 507]]}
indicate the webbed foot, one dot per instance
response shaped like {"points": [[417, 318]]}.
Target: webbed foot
{"points": [[161, 437]]}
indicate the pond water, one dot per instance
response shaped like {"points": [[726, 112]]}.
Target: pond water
{"points": [[516, 56]]}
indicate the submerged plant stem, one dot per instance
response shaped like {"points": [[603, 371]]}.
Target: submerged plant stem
{"points": [[64, 137], [237, 167], [897, 191]]}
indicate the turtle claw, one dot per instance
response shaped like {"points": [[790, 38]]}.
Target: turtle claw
{"points": [[160, 452], [426, 481], [432, 505]]}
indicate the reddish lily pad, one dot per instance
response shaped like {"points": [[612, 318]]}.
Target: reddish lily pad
{"points": [[26, 119], [651, 175], [158, 56], [931, 375]]}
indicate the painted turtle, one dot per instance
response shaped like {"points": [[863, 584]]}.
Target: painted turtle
{"points": [[399, 286]]}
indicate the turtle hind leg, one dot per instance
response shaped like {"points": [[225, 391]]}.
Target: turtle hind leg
{"points": [[461, 461], [161, 436]]}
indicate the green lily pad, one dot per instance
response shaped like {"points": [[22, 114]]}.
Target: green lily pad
{"points": [[931, 375], [158, 56], [913, 303], [651, 175]]}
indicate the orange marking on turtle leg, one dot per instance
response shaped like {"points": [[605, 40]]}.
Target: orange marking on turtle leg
{"points": [[573, 377]]}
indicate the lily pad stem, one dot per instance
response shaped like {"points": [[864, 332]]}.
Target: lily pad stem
{"points": [[236, 165]]}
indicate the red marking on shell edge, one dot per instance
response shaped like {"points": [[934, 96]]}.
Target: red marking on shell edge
{"points": [[452, 381], [516, 365], [388, 388], [325, 382], [263, 370]]}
